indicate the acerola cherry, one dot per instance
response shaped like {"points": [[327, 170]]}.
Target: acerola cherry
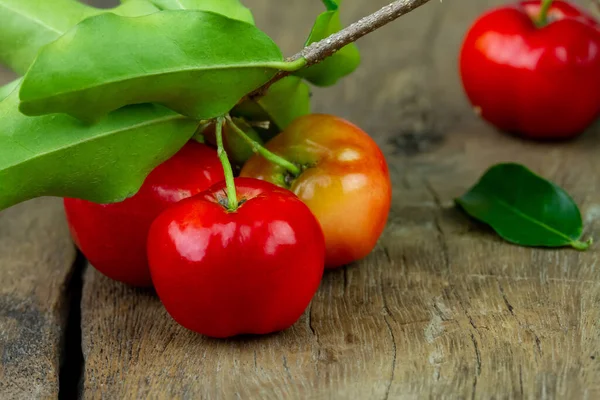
{"points": [[540, 82], [223, 273], [113, 236], [344, 181]]}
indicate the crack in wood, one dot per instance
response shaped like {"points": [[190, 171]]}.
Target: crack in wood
{"points": [[521, 380], [506, 302], [72, 367], [315, 335], [441, 235], [388, 314], [509, 306], [285, 366], [394, 355], [538, 344], [477, 365], [477, 354]]}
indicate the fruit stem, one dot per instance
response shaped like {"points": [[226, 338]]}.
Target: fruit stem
{"points": [[542, 19], [257, 148], [227, 170]]}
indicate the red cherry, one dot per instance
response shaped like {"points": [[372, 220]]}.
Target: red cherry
{"points": [[223, 273], [113, 236], [539, 82]]}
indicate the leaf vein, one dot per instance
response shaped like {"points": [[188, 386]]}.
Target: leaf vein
{"points": [[36, 20], [271, 65], [533, 220], [96, 137]]}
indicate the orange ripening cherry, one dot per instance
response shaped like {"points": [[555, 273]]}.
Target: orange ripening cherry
{"points": [[344, 181]]}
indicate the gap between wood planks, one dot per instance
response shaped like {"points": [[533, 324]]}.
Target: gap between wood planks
{"points": [[70, 378]]}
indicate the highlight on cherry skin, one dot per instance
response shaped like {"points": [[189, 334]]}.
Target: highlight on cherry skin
{"points": [[344, 180], [222, 272], [113, 236]]}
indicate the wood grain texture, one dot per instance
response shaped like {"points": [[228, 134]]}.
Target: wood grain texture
{"points": [[442, 308], [36, 258]]}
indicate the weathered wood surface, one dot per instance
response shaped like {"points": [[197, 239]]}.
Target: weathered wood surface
{"points": [[36, 257], [442, 308]]}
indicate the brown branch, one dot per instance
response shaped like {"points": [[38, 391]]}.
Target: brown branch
{"points": [[318, 51]]}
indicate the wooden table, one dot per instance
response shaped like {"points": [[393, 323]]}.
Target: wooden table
{"points": [[441, 308]]}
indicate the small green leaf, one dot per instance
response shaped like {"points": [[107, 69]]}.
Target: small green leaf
{"points": [[58, 155], [285, 101], [524, 208], [197, 63], [337, 66], [331, 5], [27, 25], [229, 8]]}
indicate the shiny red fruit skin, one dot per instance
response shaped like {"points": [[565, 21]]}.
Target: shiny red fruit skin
{"points": [[250, 271], [113, 236], [540, 83], [346, 183]]}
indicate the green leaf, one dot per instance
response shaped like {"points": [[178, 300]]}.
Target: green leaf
{"points": [[229, 8], [27, 25], [525, 209], [133, 8], [285, 101], [60, 156], [197, 63], [7, 89], [337, 66], [331, 5]]}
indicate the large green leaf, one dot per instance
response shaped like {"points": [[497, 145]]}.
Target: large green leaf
{"points": [[230, 8], [285, 101], [27, 25], [7, 89], [133, 8], [524, 208], [197, 63], [60, 156], [337, 66]]}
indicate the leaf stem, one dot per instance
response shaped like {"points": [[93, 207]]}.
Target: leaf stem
{"points": [[292, 66], [542, 19], [582, 246], [318, 51], [228, 171], [270, 156]]}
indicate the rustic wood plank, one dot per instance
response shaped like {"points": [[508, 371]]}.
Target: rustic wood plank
{"points": [[441, 308], [36, 259]]}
